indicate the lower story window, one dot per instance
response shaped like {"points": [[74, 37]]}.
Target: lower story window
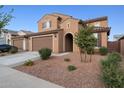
{"points": [[97, 37]]}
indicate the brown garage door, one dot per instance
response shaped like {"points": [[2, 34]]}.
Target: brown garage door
{"points": [[42, 42], [18, 43]]}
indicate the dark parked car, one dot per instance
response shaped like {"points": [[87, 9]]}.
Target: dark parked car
{"points": [[5, 48]]}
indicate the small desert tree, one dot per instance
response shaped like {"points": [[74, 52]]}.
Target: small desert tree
{"points": [[91, 43], [5, 18], [85, 40]]}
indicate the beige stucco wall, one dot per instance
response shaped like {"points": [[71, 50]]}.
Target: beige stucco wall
{"points": [[73, 28], [60, 41], [55, 43], [53, 20]]}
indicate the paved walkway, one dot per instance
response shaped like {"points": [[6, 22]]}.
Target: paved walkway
{"points": [[11, 78]]}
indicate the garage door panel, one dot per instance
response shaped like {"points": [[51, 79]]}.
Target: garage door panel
{"points": [[42, 42], [18, 43]]}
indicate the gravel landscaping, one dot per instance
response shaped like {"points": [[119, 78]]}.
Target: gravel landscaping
{"points": [[55, 69]]}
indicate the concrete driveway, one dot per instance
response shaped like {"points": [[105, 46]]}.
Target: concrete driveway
{"points": [[11, 78], [18, 59]]}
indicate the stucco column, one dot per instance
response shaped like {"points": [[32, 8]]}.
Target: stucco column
{"points": [[55, 43], [24, 44], [30, 44]]}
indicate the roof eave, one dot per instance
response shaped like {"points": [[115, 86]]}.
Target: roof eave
{"points": [[96, 19], [103, 29]]}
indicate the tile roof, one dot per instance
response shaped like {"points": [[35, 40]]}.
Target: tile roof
{"points": [[96, 19], [102, 29], [45, 32], [27, 32], [12, 32], [40, 33]]}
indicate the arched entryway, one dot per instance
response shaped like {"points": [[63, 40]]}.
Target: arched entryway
{"points": [[68, 42]]}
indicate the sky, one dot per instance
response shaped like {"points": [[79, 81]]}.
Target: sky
{"points": [[26, 17]]}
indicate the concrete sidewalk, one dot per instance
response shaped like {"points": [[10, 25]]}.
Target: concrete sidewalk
{"points": [[11, 78]]}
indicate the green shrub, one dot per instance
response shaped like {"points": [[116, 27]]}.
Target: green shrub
{"points": [[108, 63], [45, 53], [13, 50], [113, 78], [103, 50], [67, 59], [114, 57], [28, 63], [71, 68], [111, 74]]}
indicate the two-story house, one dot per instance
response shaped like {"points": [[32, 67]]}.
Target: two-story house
{"points": [[56, 31]]}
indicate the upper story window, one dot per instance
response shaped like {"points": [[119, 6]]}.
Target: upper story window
{"points": [[97, 25], [46, 25]]}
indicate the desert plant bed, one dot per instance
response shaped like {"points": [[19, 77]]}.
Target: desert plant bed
{"points": [[55, 70]]}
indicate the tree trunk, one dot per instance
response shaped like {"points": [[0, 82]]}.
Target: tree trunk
{"points": [[91, 57], [80, 54], [85, 56]]}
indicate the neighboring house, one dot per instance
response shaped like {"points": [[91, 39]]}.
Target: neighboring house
{"points": [[56, 31], [117, 37], [121, 44], [6, 35], [21, 43]]}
